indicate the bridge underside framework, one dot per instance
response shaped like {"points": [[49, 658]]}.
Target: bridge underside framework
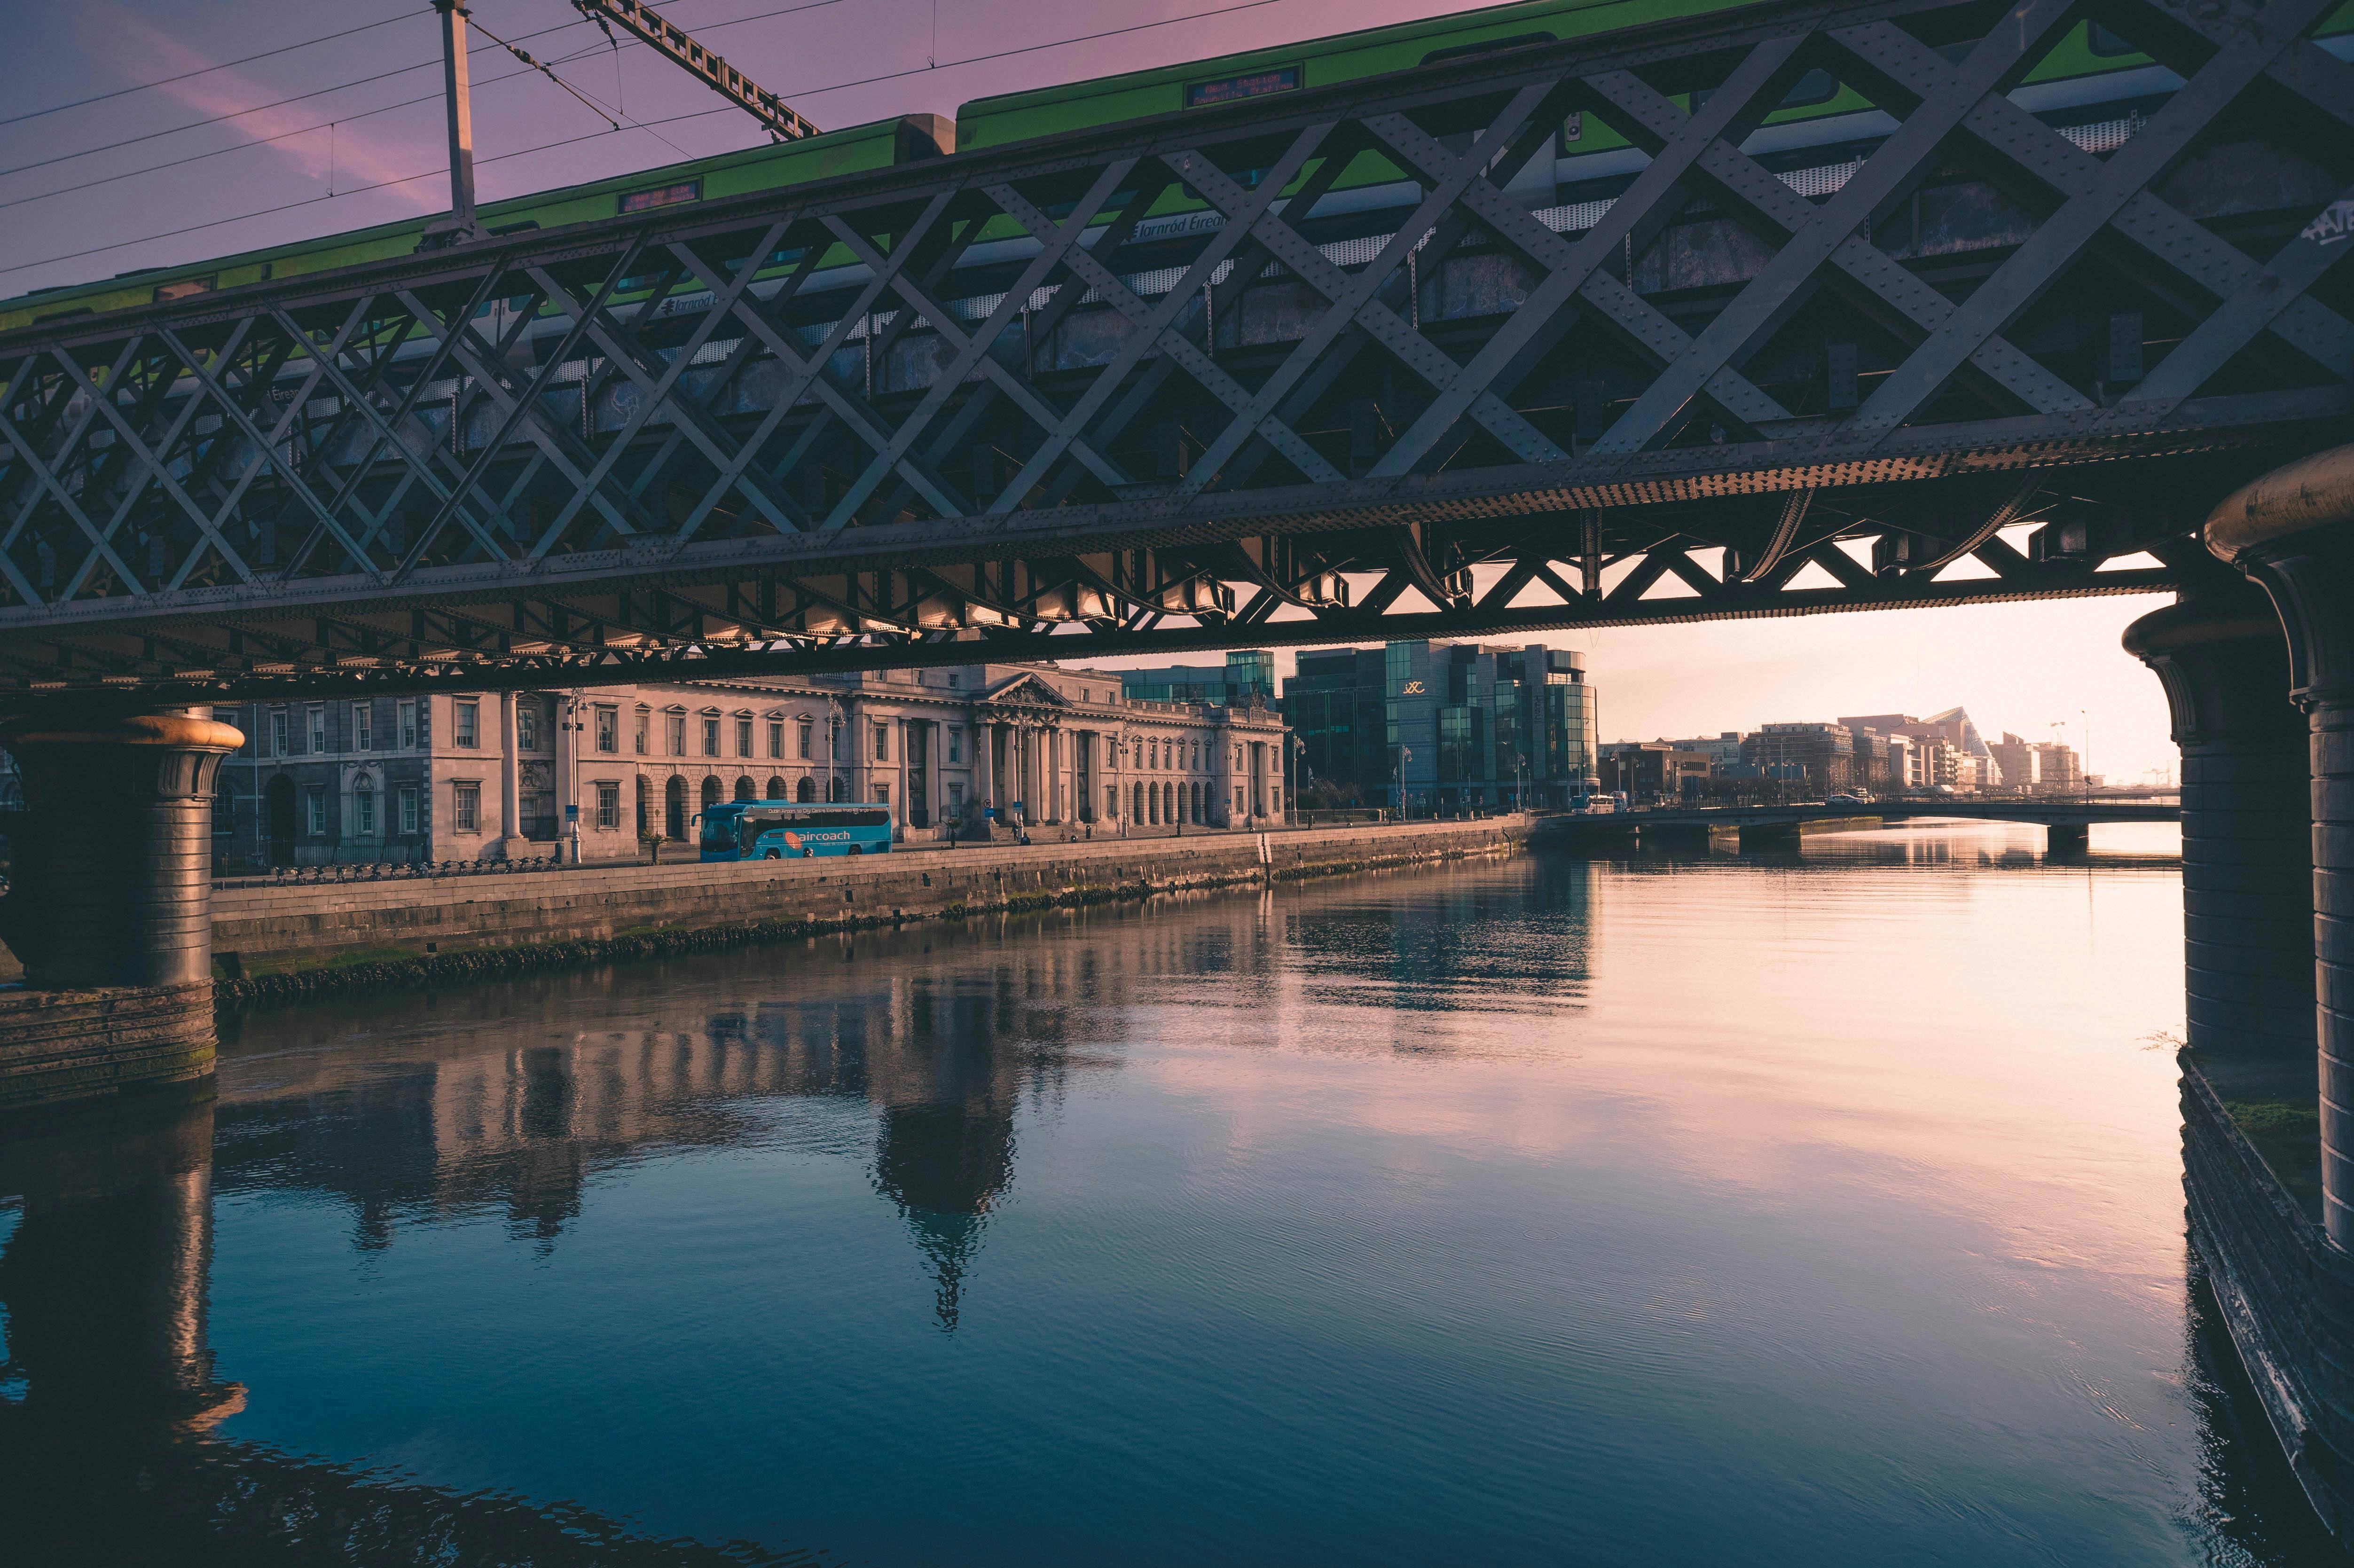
{"points": [[992, 407]]}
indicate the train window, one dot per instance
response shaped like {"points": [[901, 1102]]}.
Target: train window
{"points": [[183, 289], [1230, 89], [662, 196], [1486, 47], [1815, 87], [2103, 42]]}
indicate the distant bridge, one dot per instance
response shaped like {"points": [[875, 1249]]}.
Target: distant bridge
{"points": [[2069, 821], [1900, 367]]}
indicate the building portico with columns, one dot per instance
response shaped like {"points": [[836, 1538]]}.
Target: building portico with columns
{"points": [[962, 752]]}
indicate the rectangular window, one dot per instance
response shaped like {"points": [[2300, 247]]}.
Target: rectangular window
{"points": [[363, 726], [467, 800], [641, 732], [526, 727], [777, 737], [278, 732], [1111, 801], [609, 730], [408, 809], [882, 793], [314, 802], [318, 729], [956, 799], [882, 743], [956, 742], [743, 737], [409, 727], [662, 196], [803, 737], [677, 727], [466, 719], [363, 811], [609, 806], [711, 737]]}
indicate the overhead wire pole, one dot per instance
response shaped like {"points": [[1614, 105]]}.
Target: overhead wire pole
{"points": [[640, 21], [460, 226]]}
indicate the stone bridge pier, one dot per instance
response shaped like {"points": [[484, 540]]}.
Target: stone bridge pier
{"points": [[110, 906], [2260, 691]]}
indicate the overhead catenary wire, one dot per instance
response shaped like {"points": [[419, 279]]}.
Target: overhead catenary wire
{"points": [[382, 75], [539, 67], [650, 124], [201, 70], [356, 190], [329, 125]]}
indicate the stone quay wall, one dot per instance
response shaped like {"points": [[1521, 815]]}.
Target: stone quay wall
{"points": [[2285, 1294], [280, 943], [60, 1045]]}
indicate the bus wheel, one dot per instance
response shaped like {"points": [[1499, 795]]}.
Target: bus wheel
{"points": [[770, 854], [855, 848]]}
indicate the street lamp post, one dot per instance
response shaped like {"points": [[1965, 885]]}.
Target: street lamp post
{"points": [[833, 723], [1404, 755]]}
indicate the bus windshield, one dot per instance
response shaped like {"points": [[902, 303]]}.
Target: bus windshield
{"points": [[719, 826]]}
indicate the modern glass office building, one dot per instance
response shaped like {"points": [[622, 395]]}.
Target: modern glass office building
{"points": [[1447, 726], [1247, 672]]}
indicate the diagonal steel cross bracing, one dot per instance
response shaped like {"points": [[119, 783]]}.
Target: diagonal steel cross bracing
{"points": [[1407, 357]]}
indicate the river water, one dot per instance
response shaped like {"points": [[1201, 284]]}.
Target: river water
{"points": [[1818, 1209]]}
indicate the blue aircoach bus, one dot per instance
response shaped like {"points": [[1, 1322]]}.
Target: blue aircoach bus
{"points": [[784, 829]]}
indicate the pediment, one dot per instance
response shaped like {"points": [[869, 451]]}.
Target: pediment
{"points": [[1026, 690]]}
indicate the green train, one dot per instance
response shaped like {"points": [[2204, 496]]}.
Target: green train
{"points": [[2089, 72]]}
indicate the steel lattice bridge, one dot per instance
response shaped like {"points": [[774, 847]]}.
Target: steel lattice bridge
{"points": [[992, 406]]}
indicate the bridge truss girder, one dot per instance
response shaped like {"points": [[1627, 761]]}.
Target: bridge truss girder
{"points": [[989, 407]]}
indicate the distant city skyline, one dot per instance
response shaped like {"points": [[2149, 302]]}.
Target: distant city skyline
{"points": [[2016, 667]]}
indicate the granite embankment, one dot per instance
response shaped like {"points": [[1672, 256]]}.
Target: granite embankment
{"points": [[277, 944]]}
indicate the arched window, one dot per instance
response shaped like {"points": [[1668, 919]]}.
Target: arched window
{"points": [[775, 790], [806, 790], [712, 792], [1136, 805], [674, 808], [744, 785], [645, 810], [12, 799]]}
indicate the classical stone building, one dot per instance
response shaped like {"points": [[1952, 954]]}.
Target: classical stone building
{"points": [[966, 750]]}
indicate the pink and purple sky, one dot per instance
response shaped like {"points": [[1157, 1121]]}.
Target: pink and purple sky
{"points": [[348, 132]]}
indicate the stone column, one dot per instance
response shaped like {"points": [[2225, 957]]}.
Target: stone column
{"points": [[984, 759], [2247, 821], [2293, 532], [511, 838], [114, 879]]}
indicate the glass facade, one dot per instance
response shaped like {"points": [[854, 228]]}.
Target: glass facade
{"points": [[1445, 727], [1247, 672]]}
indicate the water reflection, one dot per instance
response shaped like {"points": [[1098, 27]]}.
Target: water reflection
{"points": [[1354, 1220], [446, 1121]]}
